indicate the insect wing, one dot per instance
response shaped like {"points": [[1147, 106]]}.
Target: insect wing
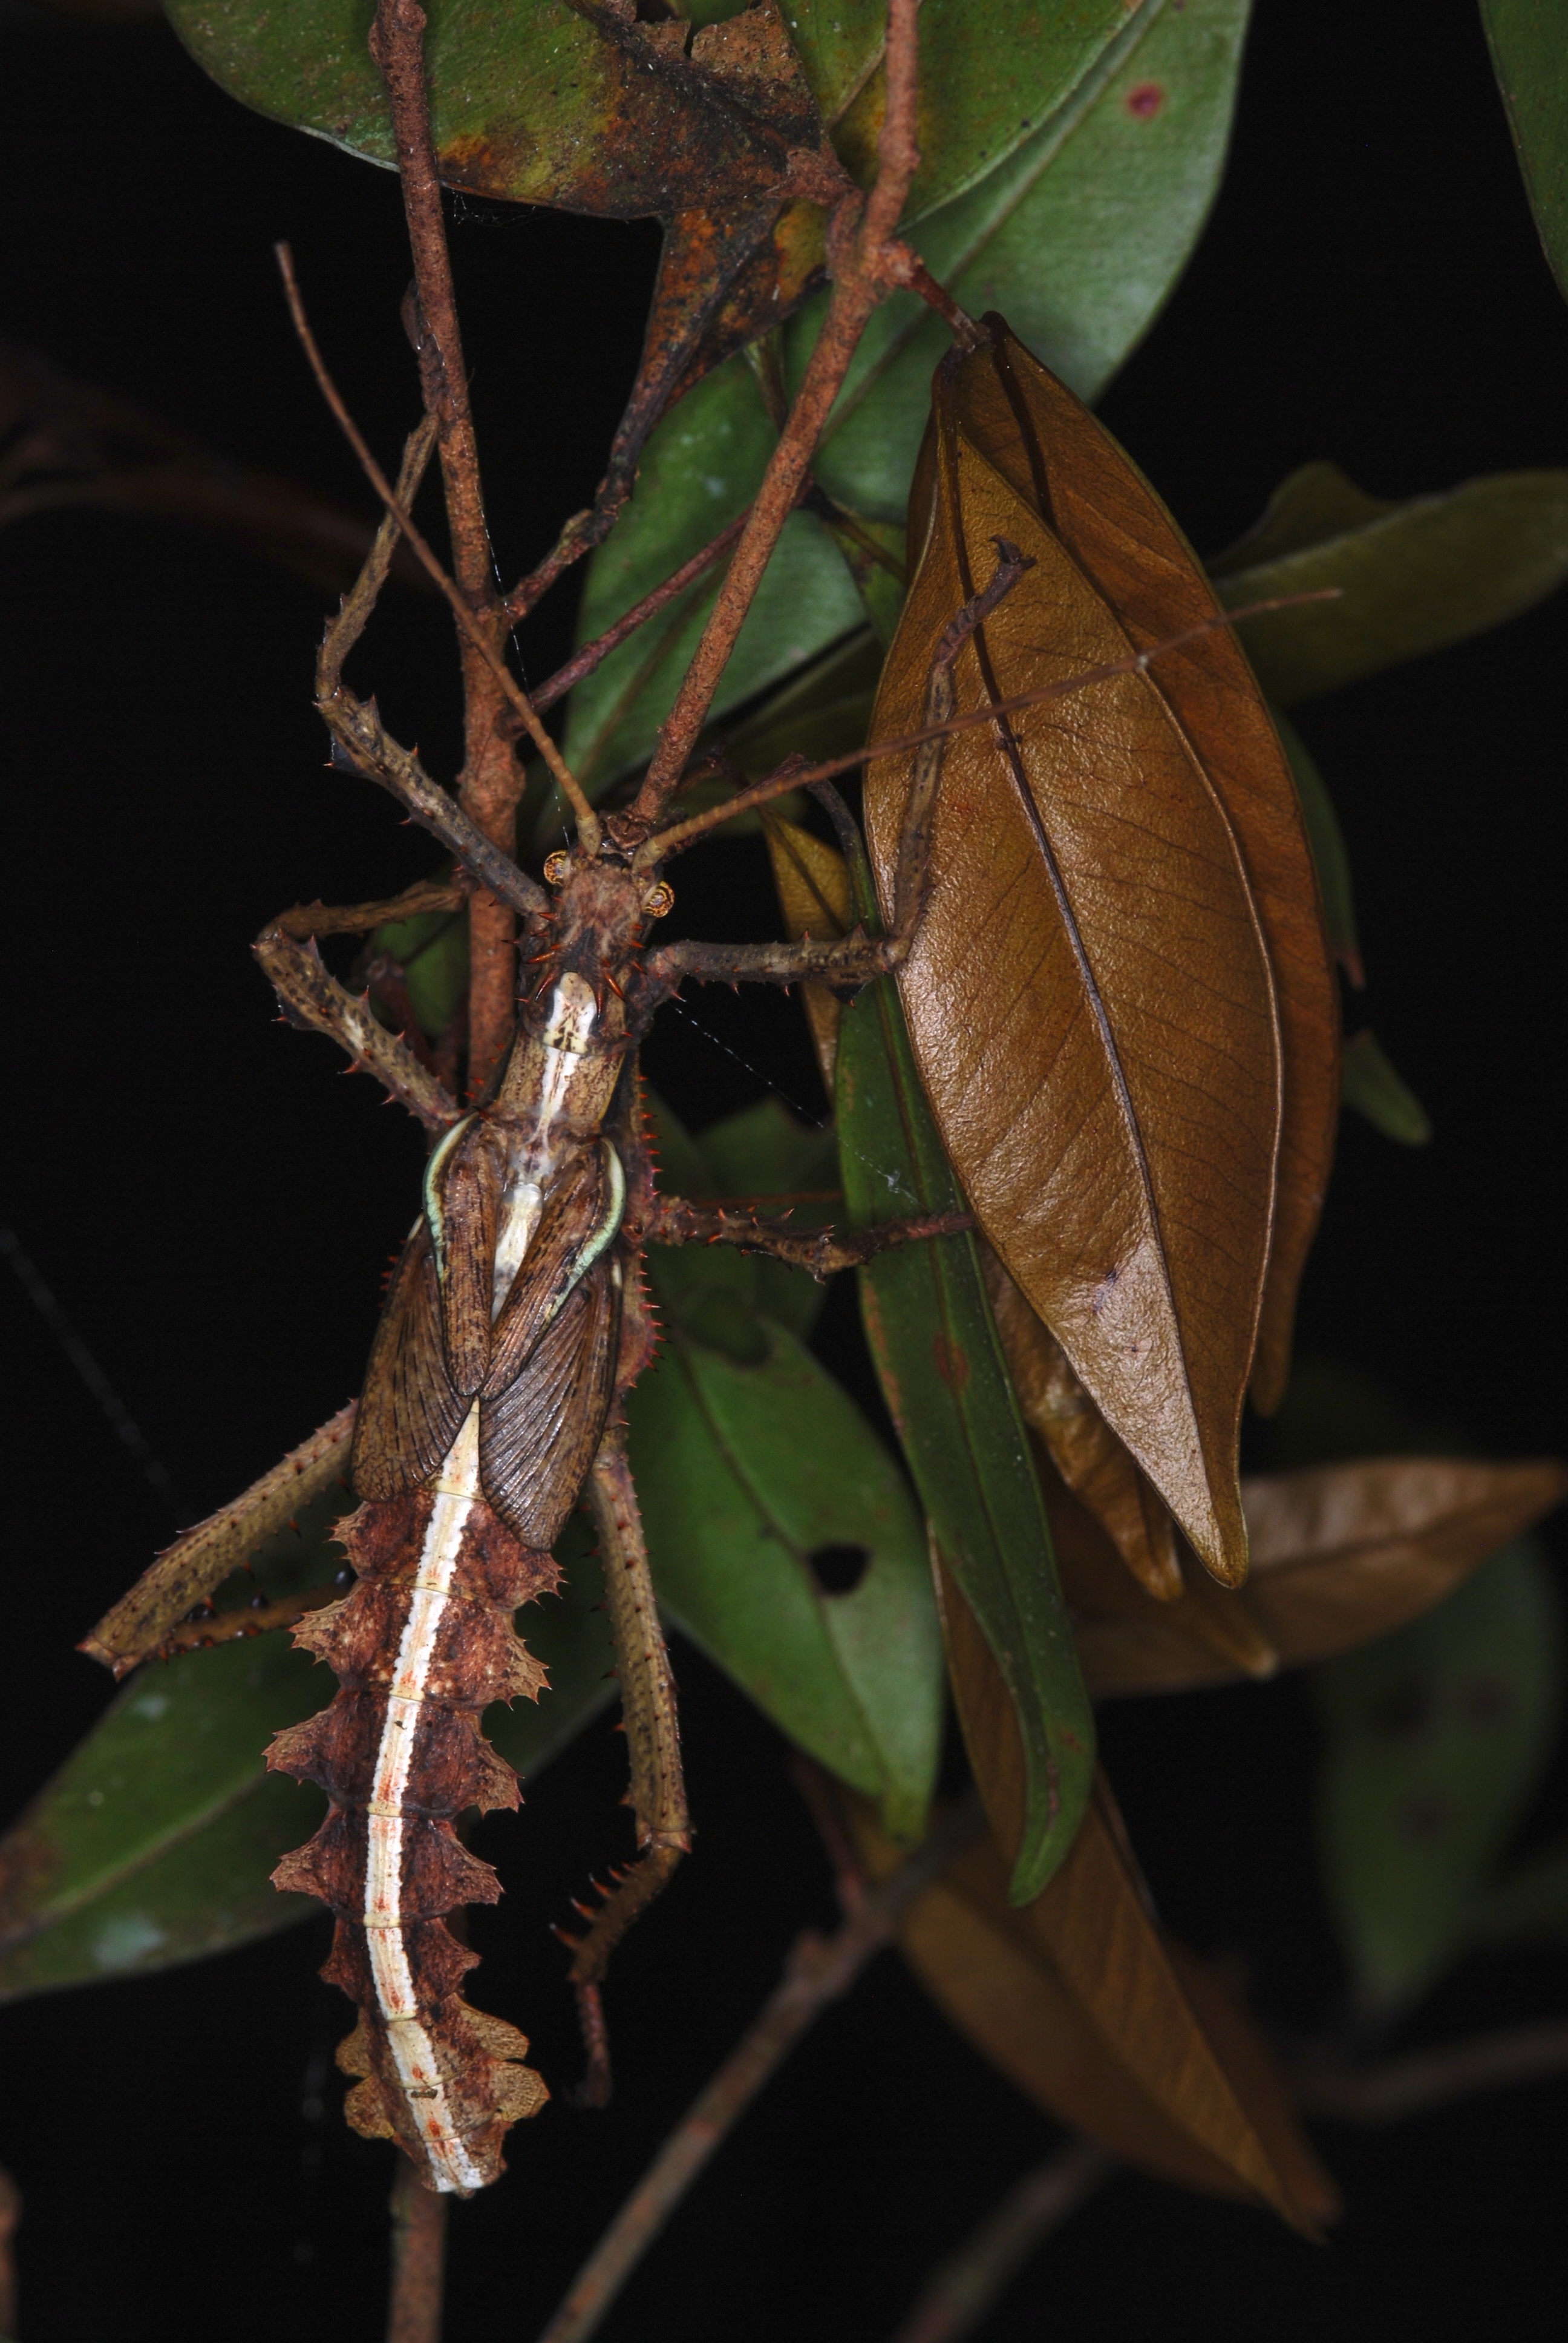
{"points": [[538, 1437], [410, 1414], [547, 1270], [466, 1197]]}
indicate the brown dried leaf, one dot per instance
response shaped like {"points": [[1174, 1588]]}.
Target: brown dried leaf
{"points": [[1056, 455], [1080, 1442], [1089, 995], [1085, 2005], [1341, 1553]]}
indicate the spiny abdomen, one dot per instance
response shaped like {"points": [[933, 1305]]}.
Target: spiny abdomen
{"points": [[421, 1646]]}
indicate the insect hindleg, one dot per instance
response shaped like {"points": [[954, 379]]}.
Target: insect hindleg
{"points": [[652, 1739]]}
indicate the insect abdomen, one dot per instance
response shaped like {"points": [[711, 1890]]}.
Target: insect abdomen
{"points": [[421, 1646]]}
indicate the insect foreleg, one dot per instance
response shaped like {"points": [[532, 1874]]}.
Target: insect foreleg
{"points": [[354, 613], [652, 1739], [310, 996]]}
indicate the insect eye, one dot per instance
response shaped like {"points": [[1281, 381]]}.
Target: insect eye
{"points": [[557, 865], [659, 899]]}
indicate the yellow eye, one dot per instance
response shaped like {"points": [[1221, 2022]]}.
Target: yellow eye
{"points": [[556, 865], [658, 900]]}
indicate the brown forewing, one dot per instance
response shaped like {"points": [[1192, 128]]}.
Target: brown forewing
{"points": [[538, 1438], [1090, 998], [469, 1196], [571, 1213], [1061, 460], [410, 1414]]}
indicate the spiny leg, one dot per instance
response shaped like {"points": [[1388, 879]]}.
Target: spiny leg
{"points": [[653, 1746], [674, 1221], [310, 996]]}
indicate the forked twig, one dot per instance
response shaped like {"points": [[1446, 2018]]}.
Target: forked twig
{"points": [[418, 2259], [816, 1973]]}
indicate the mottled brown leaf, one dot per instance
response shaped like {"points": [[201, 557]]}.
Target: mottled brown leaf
{"points": [[1089, 995], [1082, 2001], [1341, 1553], [1054, 453]]}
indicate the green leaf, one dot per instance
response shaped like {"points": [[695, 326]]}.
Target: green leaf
{"points": [[1373, 1088], [744, 1474], [432, 950], [1528, 1906], [154, 1842], [1411, 576], [1078, 238], [987, 78], [946, 1382], [1435, 1738], [1328, 845], [1529, 45], [765, 1150]]}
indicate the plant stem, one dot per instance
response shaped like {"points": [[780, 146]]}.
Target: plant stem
{"points": [[491, 779], [817, 1973], [962, 2290], [867, 262], [418, 2259], [583, 662], [1431, 2078]]}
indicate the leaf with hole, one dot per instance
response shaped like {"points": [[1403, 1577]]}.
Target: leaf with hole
{"points": [[1435, 1738], [1411, 576], [745, 1474]]}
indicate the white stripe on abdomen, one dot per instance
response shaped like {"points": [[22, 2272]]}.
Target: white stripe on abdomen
{"points": [[413, 2053]]}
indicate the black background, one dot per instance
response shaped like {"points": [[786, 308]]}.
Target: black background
{"points": [[215, 1209]]}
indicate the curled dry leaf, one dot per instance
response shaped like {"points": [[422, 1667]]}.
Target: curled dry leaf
{"points": [[1341, 1553], [1121, 997], [1082, 2001]]}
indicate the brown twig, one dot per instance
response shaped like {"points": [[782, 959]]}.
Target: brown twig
{"points": [[492, 779], [793, 775], [418, 2259], [816, 1973], [583, 663], [1430, 2078], [588, 820], [962, 2290], [866, 263]]}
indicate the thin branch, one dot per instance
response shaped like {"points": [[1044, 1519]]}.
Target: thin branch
{"points": [[418, 2259], [816, 1973], [866, 264], [588, 820], [583, 663], [969, 2283], [681, 834], [1432, 2078]]}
